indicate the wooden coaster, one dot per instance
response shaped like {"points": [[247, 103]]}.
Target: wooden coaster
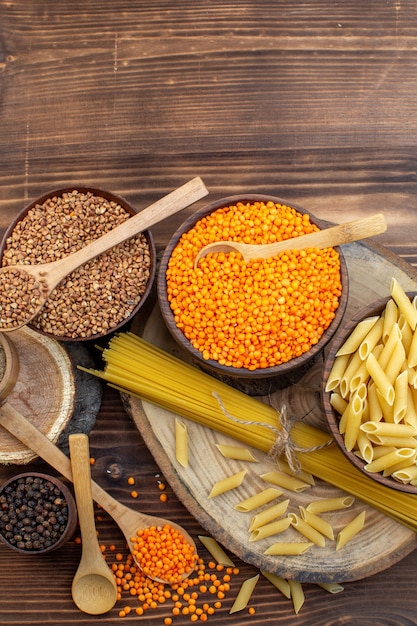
{"points": [[44, 391]]}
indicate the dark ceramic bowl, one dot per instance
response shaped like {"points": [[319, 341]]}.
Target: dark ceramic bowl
{"points": [[259, 381], [38, 529], [333, 417], [117, 307]]}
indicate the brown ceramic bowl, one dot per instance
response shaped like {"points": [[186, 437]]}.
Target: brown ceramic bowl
{"points": [[259, 381], [332, 415], [38, 530], [116, 308]]}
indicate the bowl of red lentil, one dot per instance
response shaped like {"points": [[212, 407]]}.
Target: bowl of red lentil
{"points": [[258, 325], [38, 513], [103, 295]]}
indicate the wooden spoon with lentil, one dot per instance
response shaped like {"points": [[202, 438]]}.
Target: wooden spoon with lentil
{"points": [[326, 238], [144, 533], [24, 289]]}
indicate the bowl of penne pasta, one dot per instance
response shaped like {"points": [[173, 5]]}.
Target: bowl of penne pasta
{"points": [[369, 390], [258, 324]]}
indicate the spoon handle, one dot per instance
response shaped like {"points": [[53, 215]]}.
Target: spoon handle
{"points": [[16, 424], [175, 201], [81, 477]]}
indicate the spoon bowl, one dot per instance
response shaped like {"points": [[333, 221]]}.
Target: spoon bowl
{"points": [[33, 284], [128, 520], [94, 588], [326, 238]]}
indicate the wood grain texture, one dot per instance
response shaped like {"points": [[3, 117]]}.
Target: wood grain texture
{"points": [[310, 101]]}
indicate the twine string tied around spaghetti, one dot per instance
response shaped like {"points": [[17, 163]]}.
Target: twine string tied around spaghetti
{"points": [[283, 444]]}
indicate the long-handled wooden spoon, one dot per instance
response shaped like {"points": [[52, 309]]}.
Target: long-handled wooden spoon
{"points": [[94, 588], [48, 275], [128, 520], [326, 238]]}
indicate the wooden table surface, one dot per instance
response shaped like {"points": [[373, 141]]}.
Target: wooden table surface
{"points": [[310, 101]]}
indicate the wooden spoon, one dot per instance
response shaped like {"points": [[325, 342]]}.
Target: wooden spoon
{"points": [[128, 520], [48, 275], [326, 238], [94, 588]]}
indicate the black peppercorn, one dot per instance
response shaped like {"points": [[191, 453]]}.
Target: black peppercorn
{"points": [[34, 513]]}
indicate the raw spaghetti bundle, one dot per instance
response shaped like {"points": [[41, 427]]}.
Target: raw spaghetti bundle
{"points": [[136, 367]]}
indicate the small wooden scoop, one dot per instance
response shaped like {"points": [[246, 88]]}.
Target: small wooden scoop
{"points": [[94, 588], [48, 275], [128, 520], [326, 238]]}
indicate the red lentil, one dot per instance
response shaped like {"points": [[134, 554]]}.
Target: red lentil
{"points": [[258, 314]]}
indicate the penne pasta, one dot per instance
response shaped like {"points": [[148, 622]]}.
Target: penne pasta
{"points": [[365, 447], [406, 334], [389, 429], [401, 465], [297, 595], [227, 484], [396, 362], [267, 530], [350, 530], [216, 551], [390, 319], [412, 353], [338, 403], [396, 442], [392, 458], [380, 379], [375, 410], [356, 337], [353, 417], [316, 522], [268, 515], [244, 594], [353, 366], [337, 371], [393, 339], [258, 499], [236, 452], [406, 474], [306, 530], [280, 583], [401, 397], [403, 302], [181, 442], [331, 587], [326, 505], [284, 480], [288, 548], [371, 339]]}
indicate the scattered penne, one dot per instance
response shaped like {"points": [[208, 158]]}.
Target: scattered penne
{"points": [[280, 583], [297, 595], [350, 530], [268, 515], [267, 530], [236, 452], [216, 551], [306, 530], [331, 587], [227, 484], [258, 499], [284, 480], [288, 548], [244, 594], [330, 504], [181, 442], [316, 522]]}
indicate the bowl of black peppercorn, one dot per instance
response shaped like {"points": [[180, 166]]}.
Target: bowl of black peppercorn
{"points": [[38, 513]]}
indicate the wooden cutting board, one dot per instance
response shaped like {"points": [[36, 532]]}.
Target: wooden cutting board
{"points": [[380, 544]]}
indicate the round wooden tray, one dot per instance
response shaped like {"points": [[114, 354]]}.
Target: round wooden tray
{"points": [[380, 544]]}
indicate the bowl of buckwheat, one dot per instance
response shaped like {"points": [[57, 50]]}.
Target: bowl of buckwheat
{"points": [[258, 324], [104, 294]]}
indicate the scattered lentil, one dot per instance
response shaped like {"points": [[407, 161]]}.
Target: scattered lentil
{"points": [[33, 513], [258, 314], [97, 296]]}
